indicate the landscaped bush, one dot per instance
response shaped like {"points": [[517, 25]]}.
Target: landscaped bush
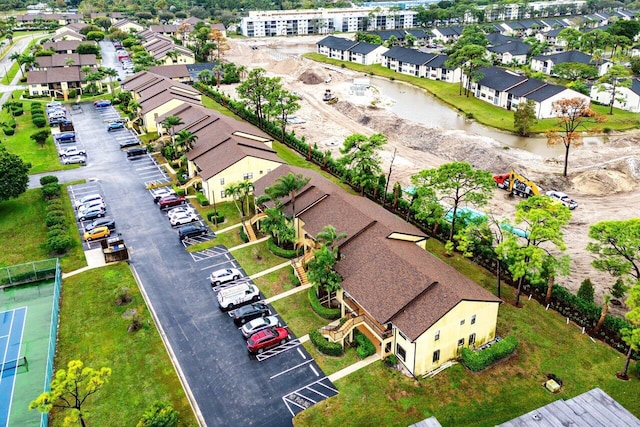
{"points": [[39, 122], [51, 190], [59, 244], [54, 203], [73, 93], [365, 346], [479, 360], [278, 251], [8, 131], [243, 235], [17, 112], [54, 218], [202, 199], [55, 208], [322, 311], [211, 216], [54, 232], [62, 227], [391, 360], [179, 191], [324, 346], [586, 291], [48, 179]]}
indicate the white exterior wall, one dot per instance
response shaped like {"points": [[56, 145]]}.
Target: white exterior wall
{"points": [[544, 109], [626, 99]]}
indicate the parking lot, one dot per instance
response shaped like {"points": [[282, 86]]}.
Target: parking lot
{"points": [[229, 386]]}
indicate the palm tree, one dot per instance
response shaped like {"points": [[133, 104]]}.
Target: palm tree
{"points": [[328, 236], [233, 191], [173, 54], [111, 73], [245, 188], [276, 223], [287, 185], [16, 56], [170, 122], [185, 140], [205, 76]]}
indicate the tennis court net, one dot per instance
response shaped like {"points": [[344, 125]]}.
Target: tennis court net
{"points": [[14, 364]]}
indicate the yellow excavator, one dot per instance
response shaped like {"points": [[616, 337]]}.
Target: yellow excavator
{"points": [[517, 184]]}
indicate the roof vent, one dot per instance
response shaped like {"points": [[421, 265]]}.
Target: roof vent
{"points": [[537, 417]]}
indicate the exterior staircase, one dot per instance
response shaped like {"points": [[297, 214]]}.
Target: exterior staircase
{"points": [[257, 217], [337, 334], [189, 183], [251, 234], [301, 274]]}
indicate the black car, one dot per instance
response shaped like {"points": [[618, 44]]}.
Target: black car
{"points": [[137, 151], [192, 230], [102, 222], [129, 143], [249, 312]]}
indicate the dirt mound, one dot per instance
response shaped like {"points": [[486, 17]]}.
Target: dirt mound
{"points": [[309, 77], [602, 182]]}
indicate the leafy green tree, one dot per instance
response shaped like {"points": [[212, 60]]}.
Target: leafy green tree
{"points": [[287, 185], [542, 220], [238, 191], [14, 175], [361, 36], [573, 115], [283, 104], [575, 70], [320, 270], [103, 22], [256, 90], [40, 137], [160, 414], [70, 390], [612, 81], [455, 183], [625, 28], [619, 288], [470, 58], [617, 249], [586, 291], [361, 158], [631, 335], [278, 225], [571, 36], [96, 36], [329, 236], [471, 34], [110, 73], [635, 65], [524, 116]]}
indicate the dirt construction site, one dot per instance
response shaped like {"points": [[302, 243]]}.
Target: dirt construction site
{"points": [[602, 177]]}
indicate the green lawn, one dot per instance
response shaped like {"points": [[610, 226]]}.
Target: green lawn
{"points": [[481, 111], [256, 258], [275, 282], [42, 159], [93, 329], [457, 397], [332, 364], [297, 314]]}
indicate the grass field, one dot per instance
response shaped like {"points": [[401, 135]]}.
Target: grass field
{"points": [[275, 282], [377, 395], [296, 312], [256, 258], [94, 329], [481, 111]]}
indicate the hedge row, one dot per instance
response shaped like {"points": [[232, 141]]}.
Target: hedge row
{"points": [[324, 346], [365, 346], [322, 311], [215, 217], [202, 199], [58, 240], [278, 251], [479, 360]]}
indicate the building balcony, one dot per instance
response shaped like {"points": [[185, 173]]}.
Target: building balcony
{"points": [[351, 306]]}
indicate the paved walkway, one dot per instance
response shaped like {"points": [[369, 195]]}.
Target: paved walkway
{"points": [[351, 369], [95, 259], [244, 245], [287, 293], [270, 270]]}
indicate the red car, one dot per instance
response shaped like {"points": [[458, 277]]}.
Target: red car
{"points": [[169, 201], [267, 338]]}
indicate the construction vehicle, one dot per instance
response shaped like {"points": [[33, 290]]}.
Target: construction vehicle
{"points": [[517, 184], [329, 98]]}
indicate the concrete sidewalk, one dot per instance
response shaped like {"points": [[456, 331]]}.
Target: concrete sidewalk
{"points": [[270, 270], [95, 259], [287, 293], [350, 369]]}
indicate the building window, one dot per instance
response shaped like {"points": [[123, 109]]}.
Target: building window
{"points": [[462, 322], [473, 319], [436, 356], [437, 335], [403, 335], [402, 354], [472, 339], [221, 181], [222, 194], [460, 342], [247, 175]]}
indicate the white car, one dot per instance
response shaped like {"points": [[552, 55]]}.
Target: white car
{"points": [[183, 218], [85, 199], [160, 192], [72, 151], [90, 205], [224, 275], [180, 210], [563, 198], [259, 324], [75, 159]]}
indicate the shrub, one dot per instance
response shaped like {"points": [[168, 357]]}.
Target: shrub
{"points": [[62, 227], [59, 244], [8, 131], [17, 112], [365, 346], [55, 208], [322, 311], [73, 93], [51, 190], [13, 124], [39, 122], [324, 346], [479, 360], [586, 291], [391, 360], [278, 251], [159, 414], [57, 203], [202, 199], [294, 279], [54, 218], [211, 216], [54, 232], [179, 191], [243, 235], [37, 113], [48, 179]]}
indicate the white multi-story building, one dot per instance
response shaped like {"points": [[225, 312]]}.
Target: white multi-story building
{"points": [[273, 23]]}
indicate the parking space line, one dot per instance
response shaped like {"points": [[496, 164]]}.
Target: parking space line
{"points": [[290, 369], [296, 398], [317, 375], [277, 350], [301, 353]]}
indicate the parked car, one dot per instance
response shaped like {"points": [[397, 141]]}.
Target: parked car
{"points": [[90, 205], [169, 201], [65, 137], [72, 151], [57, 114], [115, 126], [224, 275], [129, 143], [138, 151], [563, 198], [74, 160], [97, 233], [57, 120], [266, 339], [53, 104], [181, 210], [192, 230], [65, 125], [237, 295], [102, 222], [184, 218], [89, 197], [101, 103], [92, 213], [242, 315], [118, 120], [259, 324], [160, 192]]}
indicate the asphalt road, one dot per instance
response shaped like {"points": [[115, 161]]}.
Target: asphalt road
{"points": [[230, 388]]}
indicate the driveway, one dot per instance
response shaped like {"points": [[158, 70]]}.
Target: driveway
{"points": [[109, 59], [229, 387]]}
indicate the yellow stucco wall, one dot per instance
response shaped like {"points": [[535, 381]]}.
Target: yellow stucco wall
{"points": [[181, 59], [149, 118], [419, 354], [214, 187]]}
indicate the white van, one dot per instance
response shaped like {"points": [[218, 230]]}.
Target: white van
{"points": [[57, 114], [234, 296]]}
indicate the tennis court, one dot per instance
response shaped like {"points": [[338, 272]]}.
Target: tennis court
{"points": [[25, 327]]}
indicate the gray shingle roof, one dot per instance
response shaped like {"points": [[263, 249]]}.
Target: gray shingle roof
{"points": [[545, 92], [527, 87], [568, 56], [363, 48], [336, 43], [515, 48], [499, 78], [497, 38], [409, 56], [386, 34]]}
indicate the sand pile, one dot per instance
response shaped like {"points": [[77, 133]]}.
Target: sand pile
{"points": [[602, 182], [309, 77]]}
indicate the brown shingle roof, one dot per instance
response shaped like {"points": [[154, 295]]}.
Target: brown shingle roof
{"points": [[166, 28], [394, 280], [170, 71], [60, 60], [55, 75], [62, 45], [67, 33]]}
